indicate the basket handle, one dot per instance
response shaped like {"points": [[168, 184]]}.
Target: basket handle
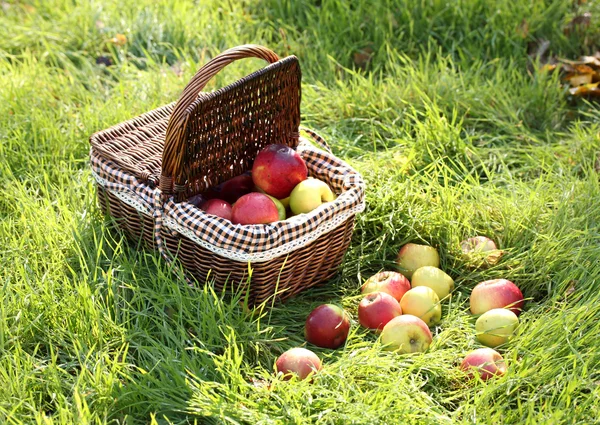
{"points": [[174, 137]]}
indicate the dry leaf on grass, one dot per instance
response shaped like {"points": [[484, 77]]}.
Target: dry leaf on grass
{"points": [[119, 40]]}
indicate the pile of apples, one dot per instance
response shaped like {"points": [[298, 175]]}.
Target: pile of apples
{"points": [[402, 306], [277, 188]]}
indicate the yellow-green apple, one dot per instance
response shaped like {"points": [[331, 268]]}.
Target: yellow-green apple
{"points": [[481, 250], [424, 303], [280, 207], [412, 256], [392, 283], [254, 208], [277, 169], [309, 194], [376, 309], [218, 207], [297, 361], [433, 278], [406, 334], [496, 293], [234, 188], [327, 326], [486, 362], [496, 326]]}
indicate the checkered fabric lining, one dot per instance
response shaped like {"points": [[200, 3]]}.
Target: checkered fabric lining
{"points": [[244, 243]]}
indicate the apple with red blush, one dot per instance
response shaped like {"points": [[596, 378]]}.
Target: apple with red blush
{"points": [[392, 283], [485, 362], [254, 208], [298, 361], [496, 293], [218, 207]]}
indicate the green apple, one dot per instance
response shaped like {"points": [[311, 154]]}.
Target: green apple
{"points": [[424, 303], [496, 326], [308, 195], [285, 202], [280, 207], [433, 278]]}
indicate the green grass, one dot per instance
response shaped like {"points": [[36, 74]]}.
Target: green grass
{"points": [[455, 134]]}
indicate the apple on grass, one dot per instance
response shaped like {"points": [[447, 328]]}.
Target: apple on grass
{"points": [[327, 326], [218, 207], [496, 293], [495, 327], [413, 256], [406, 334], [392, 283], [485, 362], [277, 169], [309, 194], [254, 208], [297, 361], [377, 309], [433, 278], [481, 249], [424, 303]]}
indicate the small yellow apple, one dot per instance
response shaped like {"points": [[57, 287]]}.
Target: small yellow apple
{"points": [[309, 194], [433, 278], [495, 327], [424, 303]]}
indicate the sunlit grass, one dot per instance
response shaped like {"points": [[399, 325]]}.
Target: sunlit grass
{"points": [[455, 136]]}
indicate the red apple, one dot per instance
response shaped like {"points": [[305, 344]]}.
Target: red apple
{"points": [[497, 293], [278, 169], [391, 283], [217, 207], [327, 326], [298, 361], [377, 309], [254, 208], [484, 361], [406, 334], [233, 189], [412, 256]]}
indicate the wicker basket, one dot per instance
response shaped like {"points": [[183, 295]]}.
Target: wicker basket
{"points": [[146, 168]]}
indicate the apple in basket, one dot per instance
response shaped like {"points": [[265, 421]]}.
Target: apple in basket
{"points": [[218, 207], [297, 361], [254, 208], [309, 194], [236, 187], [277, 169]]}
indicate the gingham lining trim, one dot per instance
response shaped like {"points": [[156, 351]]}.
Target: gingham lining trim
{"points": [[254, 243]]}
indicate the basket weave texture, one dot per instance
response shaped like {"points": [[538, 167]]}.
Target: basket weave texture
{"points": [[148, 166]]}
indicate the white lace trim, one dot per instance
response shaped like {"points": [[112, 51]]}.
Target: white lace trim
{"points": [[130, 198]]}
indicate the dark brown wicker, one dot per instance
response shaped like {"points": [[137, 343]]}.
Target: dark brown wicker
{"points": [[209, 138]]}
